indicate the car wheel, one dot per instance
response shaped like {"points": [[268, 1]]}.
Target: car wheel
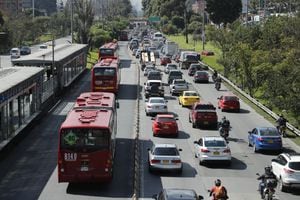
{"points": [[147, 114], [200, 162], [196, 155], [150, 169], [194, 125], [282, 188], [179, 102], [190, 119], [222, 110], [237, 110]]}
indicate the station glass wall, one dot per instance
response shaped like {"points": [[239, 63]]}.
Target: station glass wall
{"points": [[73, 68], [16, 112]]}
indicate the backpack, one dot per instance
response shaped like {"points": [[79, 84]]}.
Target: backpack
{"points": [[220, 192]]}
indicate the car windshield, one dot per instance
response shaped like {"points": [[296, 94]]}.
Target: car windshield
{"points": [[205, 107], [166, 119], [269, 132], [294, 165], [166, 151], [201, 73], [214, 143], [179, 82], [190, 94], [175, 73], [157, 101], [230, 98], [172, 66]]}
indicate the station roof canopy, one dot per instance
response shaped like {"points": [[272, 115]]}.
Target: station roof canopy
{"points": [[13, 76], [44, 56]]}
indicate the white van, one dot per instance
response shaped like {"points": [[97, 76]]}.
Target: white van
{"points": [[159, 36], [15, 53]]}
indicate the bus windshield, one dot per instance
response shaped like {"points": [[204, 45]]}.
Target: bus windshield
{"points": [[78, 138], [104, 71], [106, 52]]}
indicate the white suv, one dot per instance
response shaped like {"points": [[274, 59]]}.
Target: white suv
{"points": [[286, 167]]}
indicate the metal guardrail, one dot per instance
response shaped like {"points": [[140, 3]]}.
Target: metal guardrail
{"points": [[258, 104]]}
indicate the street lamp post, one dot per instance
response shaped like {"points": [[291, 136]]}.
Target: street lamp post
{"points": [[33, 9], [203, 24]]}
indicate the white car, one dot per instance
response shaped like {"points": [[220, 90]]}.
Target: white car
{"points": [[15, 53], [212, 148], [169, 67], [178, 86], [156, 105], [286, 167], [164, 157]]}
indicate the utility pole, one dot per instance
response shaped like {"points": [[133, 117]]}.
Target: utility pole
{"points": [[33, 9], [203, 24], [72, 22], [247, 13]]}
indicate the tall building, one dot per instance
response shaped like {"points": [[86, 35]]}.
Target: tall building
{"points": [[11, 6]]}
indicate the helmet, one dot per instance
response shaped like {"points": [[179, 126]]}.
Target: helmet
{"points": [[268, 170], [218, 182]]}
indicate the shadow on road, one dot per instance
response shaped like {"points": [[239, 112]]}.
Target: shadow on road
{"points": [[125, 63], [127, 92], [236, 164]]}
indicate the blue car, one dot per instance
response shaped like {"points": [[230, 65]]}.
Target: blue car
{"points": [[265, 138]]}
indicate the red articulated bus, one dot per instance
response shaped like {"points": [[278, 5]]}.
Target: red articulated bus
{"points": [[106, 76], [87, 146], [108, 50], [96, 101]]}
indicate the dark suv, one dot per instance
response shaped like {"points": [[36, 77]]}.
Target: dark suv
{"points": [[203, 114], [174, 74]]}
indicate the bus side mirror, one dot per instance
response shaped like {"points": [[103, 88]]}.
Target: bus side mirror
{"points": [[117, 105]]}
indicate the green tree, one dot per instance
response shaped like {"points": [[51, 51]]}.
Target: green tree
{"points": [[223, 11], [84, 17]]}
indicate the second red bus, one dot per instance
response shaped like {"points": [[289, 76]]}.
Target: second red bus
{"points": [[106, 76], [108, 50]]}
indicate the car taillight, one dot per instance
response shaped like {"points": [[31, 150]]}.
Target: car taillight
{"points": [[176, 161], [226, 151], [158, 124], [288, 171], [205, 150], [155, 161]]}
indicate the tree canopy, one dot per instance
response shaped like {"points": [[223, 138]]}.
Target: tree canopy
{"points": [[223, 11]]}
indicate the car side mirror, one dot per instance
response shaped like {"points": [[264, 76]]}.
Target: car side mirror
{"points": [[148, 149], [200, 197], [257, 174], [144, 83], [219, 98], [176, 118], [195, 142], [249, 132], [179, 149], [274, 160], [166, 100], [117, 105]]}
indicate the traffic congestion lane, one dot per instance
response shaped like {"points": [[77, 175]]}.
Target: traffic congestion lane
{"points": [[245, 163], [121, 186]]}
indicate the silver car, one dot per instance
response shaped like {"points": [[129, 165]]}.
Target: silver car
{"points": [[178, 86], [156, 105], [165, 157], [169, 67], [212, 148], [148, 68]]}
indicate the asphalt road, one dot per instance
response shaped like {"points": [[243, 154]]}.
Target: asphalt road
{"points": [[29, 171], [239, 178]]}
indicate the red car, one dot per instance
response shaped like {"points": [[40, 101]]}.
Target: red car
{"points": [[165, 60], [164, 125], [203, 114], [229, 101]]}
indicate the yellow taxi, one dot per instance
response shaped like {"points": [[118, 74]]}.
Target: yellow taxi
{"points": [[188, 98]]}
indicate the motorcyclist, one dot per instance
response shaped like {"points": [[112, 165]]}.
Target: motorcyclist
{"points": [[218, 192], [263, 179], [218, 82], [215, 75], [281, 121]]}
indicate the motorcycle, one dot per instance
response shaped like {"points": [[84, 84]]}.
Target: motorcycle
{"points": [[218, 85], [282, 130], [224, 132], [269, 186]]}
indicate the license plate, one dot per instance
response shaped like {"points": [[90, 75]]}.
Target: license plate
{"points": [[216, 153], [205, 122], [84, 169], [270, 141], [165, 162], [156, 107], [166, 126]]}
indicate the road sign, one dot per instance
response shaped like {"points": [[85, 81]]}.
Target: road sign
{"points": [[154, 19]]}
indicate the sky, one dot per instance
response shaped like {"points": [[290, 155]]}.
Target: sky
{"points": [[137, 4]]}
